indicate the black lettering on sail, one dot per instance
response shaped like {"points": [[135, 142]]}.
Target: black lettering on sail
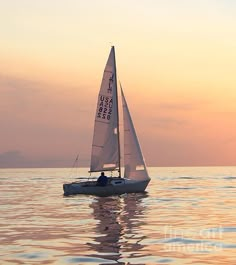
{"points": [[110, 103], [111, 79], [110, 107], [105, 108]]}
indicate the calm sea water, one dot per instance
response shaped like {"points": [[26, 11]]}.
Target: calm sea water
{"points": [[187, 216]]}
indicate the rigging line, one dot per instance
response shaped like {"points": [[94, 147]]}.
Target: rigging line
{"points": [[76, 160], [74, 165]]}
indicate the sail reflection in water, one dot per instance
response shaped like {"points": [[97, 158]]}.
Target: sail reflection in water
{"points": [[187, 217], [119, 227]]}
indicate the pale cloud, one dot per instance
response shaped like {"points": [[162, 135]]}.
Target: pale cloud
{"points": [[17, 159], [44, 121], [176, 60], [177, 106], [13, 158], [169, 123]]}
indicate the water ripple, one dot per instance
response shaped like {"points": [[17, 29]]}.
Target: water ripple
{"points": [[186, 217]]}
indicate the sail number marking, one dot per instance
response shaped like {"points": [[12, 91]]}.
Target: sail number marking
{"points": [[104, 108]]}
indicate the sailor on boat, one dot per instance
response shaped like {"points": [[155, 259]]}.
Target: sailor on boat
{"points": [[106, 145], [102, 180]]}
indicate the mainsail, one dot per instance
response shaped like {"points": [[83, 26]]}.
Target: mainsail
{"points": [[106, 144], [135, 167], [105, 147]]}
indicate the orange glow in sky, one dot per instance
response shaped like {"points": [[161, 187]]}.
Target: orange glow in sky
{"points": [[176, 61]]}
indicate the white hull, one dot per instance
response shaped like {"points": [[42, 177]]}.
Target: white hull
{"points": [[115, 186]]}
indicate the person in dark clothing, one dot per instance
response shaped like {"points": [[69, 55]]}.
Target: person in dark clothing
{"points": [[102, 180]]}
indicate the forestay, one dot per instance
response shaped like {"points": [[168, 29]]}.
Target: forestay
{"points": [[135, 167], [105, 147]]}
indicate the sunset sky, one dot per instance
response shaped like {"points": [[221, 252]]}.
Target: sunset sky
{"points": [[176, 61]]}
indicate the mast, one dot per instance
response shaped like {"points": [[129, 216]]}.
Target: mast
{"points": [[117, 111]]}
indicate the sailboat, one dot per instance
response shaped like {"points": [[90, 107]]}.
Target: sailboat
{"points": [[106, 148]]}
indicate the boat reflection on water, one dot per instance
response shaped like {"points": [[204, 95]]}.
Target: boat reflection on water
{"points": [[118, 229]]}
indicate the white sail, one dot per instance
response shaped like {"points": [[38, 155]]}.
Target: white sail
{"points": [[105, 148], [106, 144], [135, 167]]}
